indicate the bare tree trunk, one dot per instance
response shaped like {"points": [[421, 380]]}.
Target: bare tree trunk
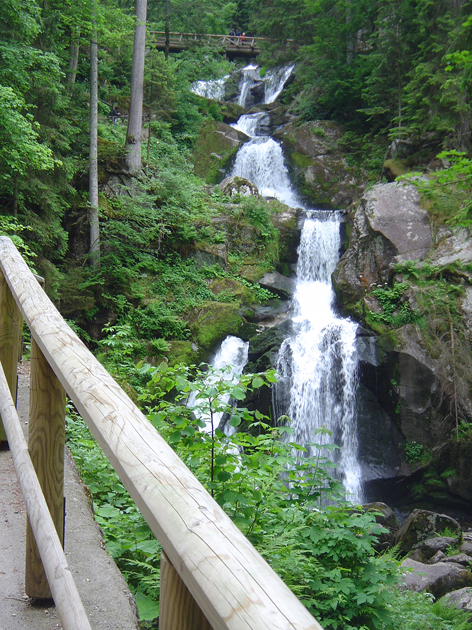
{"points": [[135, 119], [167, 45], [93, 170], [73, 55], [350, 36]]}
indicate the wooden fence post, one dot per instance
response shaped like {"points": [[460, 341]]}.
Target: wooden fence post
{"points": [[46, 437], [11, 326], [177, 608]]}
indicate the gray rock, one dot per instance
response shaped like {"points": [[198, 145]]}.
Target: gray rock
{"points": [[430, 548], [238, 185], [278, 284], [466, 547], [437, 579], [422, 524], [388, 226], [439, 556], [384, 515], [461, 598], [460, 558]]}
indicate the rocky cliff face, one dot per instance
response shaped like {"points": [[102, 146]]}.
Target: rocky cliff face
{"points": [[415, 374]]}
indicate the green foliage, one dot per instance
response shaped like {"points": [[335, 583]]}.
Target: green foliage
{"points": [[447, 192], [395, 311], [418, 611], [413, 452]]}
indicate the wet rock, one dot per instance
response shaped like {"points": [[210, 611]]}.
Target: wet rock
{"points": [[278, 284], [238, 186], [264, 347], [422, 524], [320, 168], [437, 579]]}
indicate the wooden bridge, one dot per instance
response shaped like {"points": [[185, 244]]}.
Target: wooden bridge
{"points": [[211, 576], [232, 45]]}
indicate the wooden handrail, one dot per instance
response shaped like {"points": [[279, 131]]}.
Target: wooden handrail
{"points": [[66, 597], [232, 585]]}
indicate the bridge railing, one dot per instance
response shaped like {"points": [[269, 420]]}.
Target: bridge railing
{"points": [[238, 41], [211, 576]]}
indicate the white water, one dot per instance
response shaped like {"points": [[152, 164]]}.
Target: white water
{"points": [[273, 83], [275, 80], [232, 356], [318, 364], [211, 89]]}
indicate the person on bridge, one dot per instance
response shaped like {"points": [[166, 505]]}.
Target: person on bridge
{"points": [[114, 114]]}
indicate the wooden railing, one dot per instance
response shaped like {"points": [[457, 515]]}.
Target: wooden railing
{"points": [[211, 576], [232, 44]]}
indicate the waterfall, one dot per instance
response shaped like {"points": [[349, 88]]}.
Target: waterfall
{"points": [[211, 89], [318, 364], [261, 161], [233, 355], [252, 88], [274, 82]]}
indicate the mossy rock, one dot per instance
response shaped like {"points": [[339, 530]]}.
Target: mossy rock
{"points": [[182, 352], [252, 273], [213, 321], [301, 160], [217, 143], [240, 293], [231, 112], [394, 168]]}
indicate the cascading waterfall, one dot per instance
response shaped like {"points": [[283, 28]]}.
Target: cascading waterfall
{"points": [[272, 83], [261, 161], [318, 364], [233, 352], [211, 89]]}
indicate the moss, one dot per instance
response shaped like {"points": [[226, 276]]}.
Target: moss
{"points": [[238, 291], [395, 168], [301, 160], [212, 153], [213, 321], [182, 352]]}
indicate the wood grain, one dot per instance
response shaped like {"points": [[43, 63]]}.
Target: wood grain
{"points": [[232, 584], [46, 438], [66, 597], [10, 339], [177, 608]]}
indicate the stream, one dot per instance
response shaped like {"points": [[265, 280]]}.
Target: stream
{"points": [[318, 363]]}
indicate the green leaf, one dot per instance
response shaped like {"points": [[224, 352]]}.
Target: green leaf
{"points": [[148, 608]]}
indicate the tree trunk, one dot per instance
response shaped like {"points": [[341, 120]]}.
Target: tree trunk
{"points": [[167, 44], [135, 119], [73, 55], [15, 195], [93, 172]]}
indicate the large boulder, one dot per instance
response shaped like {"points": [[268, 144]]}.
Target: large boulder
{"points": [[388, 226], [319, 164], [462, 598], [437, 579], [216, 144], [423, 524]]}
